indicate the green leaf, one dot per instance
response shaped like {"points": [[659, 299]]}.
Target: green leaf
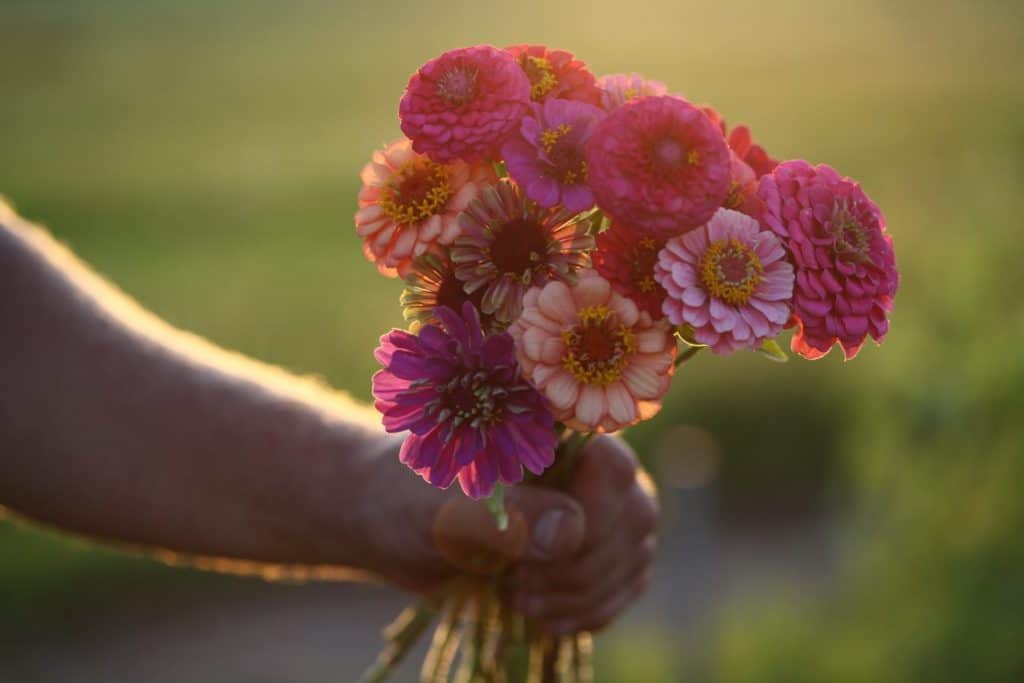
{"points": [[496, 505], [684, 333], [772, 351]]}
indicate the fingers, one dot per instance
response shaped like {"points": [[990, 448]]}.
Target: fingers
{"points": [[605, 471], [544, 526]]}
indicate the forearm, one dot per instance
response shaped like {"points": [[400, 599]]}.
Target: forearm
{"points": [[114, 425]]}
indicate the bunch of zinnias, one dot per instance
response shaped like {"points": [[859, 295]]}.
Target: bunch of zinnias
{"points": [[560, 235]]}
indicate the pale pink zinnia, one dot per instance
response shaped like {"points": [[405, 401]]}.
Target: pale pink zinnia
{"points": [[555, 74], [729, 281], [408, 204], [547, 155], [463, 104], [659, 165], [846, 274], [617, 89], [601, 362]]}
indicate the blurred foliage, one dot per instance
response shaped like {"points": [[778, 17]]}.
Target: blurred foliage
{"points": [[205, 157]]}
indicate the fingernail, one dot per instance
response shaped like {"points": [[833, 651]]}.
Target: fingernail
{"points": [[545, 533]]}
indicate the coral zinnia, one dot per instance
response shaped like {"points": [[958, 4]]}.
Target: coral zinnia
{"points": [[509, 243], [846, 274], [749, 161], [626, 259], [548, 156], [555, 74], [408, 204], [461, 396], [601, 362], [659, 165], [463, 104], [729, 280], [617, 89], [432, 283]]}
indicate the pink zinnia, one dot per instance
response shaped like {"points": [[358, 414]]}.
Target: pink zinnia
{"points": [[548, 155], [627, 258], [409, 204], [463, 104], [461, 396], [555, 74], [846, 274], [729, 280], [659, 165], [617, 89], [748, 162], [509, 243], [601, 362]]}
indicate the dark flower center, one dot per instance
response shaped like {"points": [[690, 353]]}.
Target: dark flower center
{"points": [[458, 85], [451, 293], [418, 190], [852, 241], [641, 264], [470, 398], [519, 246], [598, 347]]}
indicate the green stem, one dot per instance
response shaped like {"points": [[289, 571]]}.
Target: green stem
{"points": [[688, 354]]}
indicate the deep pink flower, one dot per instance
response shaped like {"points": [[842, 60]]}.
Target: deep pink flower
{"points": [[846, 274], [659, 165], [469, 411], [463, 104], [729, 281], [617, 89], [748, 162], [555, 74], [627, 258], [547, 155]]}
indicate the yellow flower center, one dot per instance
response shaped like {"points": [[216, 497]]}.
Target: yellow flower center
{"points": [[730, 271], [542, 76], [551, 136], [417, 191], [598, 347], [734, 199]]}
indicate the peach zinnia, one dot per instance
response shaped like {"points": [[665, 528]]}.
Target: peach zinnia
{"points": [[601, 362], [409, 204], [555, 74]]}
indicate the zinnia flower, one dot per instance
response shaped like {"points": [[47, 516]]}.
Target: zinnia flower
{"points": [[431, 284], [626, 259], [408, 204], [748, 162], [463, 104], [729, 280], [508, 243], [601, 362], [469, 411], [548, 156], [617, 89], [555, 74], [659, 165], [846, 274]]}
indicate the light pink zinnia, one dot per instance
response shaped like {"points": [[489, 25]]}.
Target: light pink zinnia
{"points": [[547, 156], [617, 89], [601, 362], [729, 280], [846, 274], [409, 204], [555, 74], [463, 104], [659, 165]]}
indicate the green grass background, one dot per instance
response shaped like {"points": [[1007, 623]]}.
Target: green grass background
{"points": [[205, 157]]}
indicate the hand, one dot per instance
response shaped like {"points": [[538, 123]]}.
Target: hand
{"points": [[578, 558]]}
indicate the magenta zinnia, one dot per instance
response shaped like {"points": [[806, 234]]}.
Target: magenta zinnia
{"points": [[729, 281], [659, 165], [547, 155], [460, 395], [627, 259], [846, 274], [463, 104], [509, 243]]}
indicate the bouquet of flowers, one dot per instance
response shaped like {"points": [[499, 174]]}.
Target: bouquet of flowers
{"points": [[567, 243]]}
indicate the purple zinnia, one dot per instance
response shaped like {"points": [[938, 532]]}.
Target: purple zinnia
{"points": [[547, 156], [462, 397]]}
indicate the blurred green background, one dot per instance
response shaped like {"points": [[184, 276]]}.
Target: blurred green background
{"points": [[865, 520]]}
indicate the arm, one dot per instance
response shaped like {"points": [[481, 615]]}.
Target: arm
{"points": [[116, 426]]}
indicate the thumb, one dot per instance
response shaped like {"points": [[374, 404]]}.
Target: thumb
{"points": [[544, 525]]}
